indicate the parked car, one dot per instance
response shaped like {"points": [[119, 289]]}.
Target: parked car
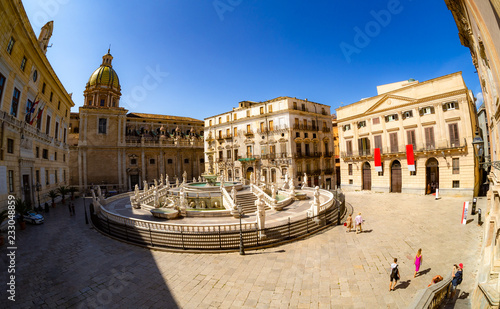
{"points": [[33, 218]]}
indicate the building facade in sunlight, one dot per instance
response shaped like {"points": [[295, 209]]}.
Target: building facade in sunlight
{"points": [[117, 150], [269, 139], [34, 111], [412, 137]]}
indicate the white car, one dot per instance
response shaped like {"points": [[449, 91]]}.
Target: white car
{"points": [[33, 217]]}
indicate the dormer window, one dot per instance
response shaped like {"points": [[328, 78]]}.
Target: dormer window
{"points": [[450, 106], [426, 110], [362, 124], [393, 117], [407, 114], [346, 127]]}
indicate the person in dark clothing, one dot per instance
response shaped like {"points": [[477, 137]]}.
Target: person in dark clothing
{"points": [[46, 207], [73, 208], [456, 276]]}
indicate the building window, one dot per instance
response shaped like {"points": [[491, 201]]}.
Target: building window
{"points": [[37, 152], [249, 129], [227, 118], [10, 145], [454, 140], [393, 117], [56, 131], [27, 117], [102, 102], [456, 166], [346, 127], [64, 157], [306, 135], [456, 183], [46, 177], [43, 88], [235, 116], [170, 161], [220, 120], [55, 176], [10, 46], [202, 161], [377, 139], [64, 135], [407, 114], [15, 102], [37, 176], [393, 138], [11, 181], [64, 175], [364, 146], [51, 96], [47, 125], [102, 125], [381, 173], [235, 131], [133, 161], [55, 156], [426, 110], [35, 75], [186, 161], [210, 122], [410, 134], [228, 153], [23, 63], [350, 181], [376, 120], [151, 161], [2, 84], [270, 108], [348, 147], [236, 154], [303, 107], [429, 138], [362, 124], [249, 151], [295, 105], [248, 113], [349, 169], [450, 106], [58, 105], [45, 153]]}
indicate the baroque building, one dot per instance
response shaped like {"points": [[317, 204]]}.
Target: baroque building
{"points": [[413, 137], [34, 111], [266, 140], [336, 149], [117, 150]]}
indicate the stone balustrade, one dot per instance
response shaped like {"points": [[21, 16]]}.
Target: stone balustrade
{"points": [[270, 202], [227, 200]]}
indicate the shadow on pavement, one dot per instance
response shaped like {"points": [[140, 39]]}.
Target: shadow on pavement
{"points": [[402, 285]]}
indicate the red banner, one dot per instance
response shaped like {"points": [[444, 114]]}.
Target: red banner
{"points": [[410, 158], [378, 161]]}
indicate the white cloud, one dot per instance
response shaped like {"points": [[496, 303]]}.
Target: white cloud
{"points": [[479, 99]]}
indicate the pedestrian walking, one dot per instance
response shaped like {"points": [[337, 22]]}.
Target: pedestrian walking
{"points": [[394, 274], [348, 224], [73, 208], [418, 260], [46, 207], [457, 276], [70, 211], [358, 220]]}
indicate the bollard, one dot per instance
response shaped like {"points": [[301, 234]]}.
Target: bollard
{"points": [[437, 194], [474, 200], [479, 216]]}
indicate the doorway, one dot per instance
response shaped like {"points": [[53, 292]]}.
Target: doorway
{"points": [[367, 176], [27, 189], [134, 180], [396, 179], [431, 176], [249, 173]]}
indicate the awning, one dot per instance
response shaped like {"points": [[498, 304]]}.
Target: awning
{"points": [[246, 159]]}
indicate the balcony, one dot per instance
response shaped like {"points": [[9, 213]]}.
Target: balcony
{"points": [[400, 150], [248, 133], [328, 154], [220, 138], [228, 136], [326, 129]]}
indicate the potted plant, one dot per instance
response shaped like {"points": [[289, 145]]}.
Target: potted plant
{"points": [[63, 191], [21, 208], [3, 216], [53, 194], [72, 190]]}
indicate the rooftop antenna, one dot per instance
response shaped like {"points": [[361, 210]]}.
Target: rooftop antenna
{"points": [[109, 49]]}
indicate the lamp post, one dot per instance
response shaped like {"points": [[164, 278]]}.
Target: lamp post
{"points": [[38, 188], [85, 210], [242, 249]]}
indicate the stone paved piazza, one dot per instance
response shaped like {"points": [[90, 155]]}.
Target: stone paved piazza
{"points": [[66, 264]]}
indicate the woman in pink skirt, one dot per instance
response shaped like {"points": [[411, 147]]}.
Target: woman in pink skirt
{"points": [[418, 261]]}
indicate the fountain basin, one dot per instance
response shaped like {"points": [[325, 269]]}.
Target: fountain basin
{"points": [[206, 187], [165, 213]]}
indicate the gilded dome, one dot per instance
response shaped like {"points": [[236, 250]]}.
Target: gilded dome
{"points": [[105, 76]]}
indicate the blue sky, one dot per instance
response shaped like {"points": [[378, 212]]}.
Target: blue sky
{"points": [[200, 58]]}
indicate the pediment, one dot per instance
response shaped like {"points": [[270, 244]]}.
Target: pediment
{"points": [[389, 102]]}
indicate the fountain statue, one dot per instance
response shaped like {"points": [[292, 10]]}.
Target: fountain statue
{"points": [[184, 177], [273, 191], [199, 178], [145, 186], [304, 183], [176, 182], [166, 180], [261, 216]]}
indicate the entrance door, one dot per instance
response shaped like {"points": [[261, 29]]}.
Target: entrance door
{"points": [[27, 189], [249, 173], [367, 176], [134, 180], [431, 176], [396, 178]]}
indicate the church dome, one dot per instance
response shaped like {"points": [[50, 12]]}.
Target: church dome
{"points": [[105, 75]]}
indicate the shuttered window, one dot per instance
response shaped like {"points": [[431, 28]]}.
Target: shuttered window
{"points": [[410, 134], [454, 140], [378, 142], [456, 165], [349, 169], [429, 138], [393, 138], [348, 147], [364, 146]]}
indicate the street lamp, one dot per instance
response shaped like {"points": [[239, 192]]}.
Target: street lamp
{"points": [[478, 144], [85, 210], [38, 188]]}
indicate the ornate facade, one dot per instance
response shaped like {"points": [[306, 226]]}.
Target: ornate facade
{"points": [[269, 139], [34, 111], [436, 117], [117, 150]]}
